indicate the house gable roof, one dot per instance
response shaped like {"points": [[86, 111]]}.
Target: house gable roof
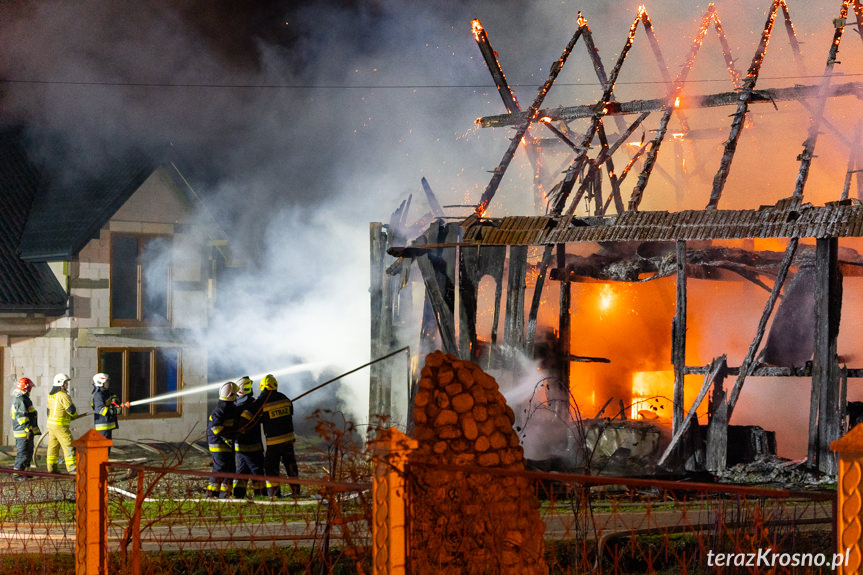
{"points": [[25, 287], [69, 210]]}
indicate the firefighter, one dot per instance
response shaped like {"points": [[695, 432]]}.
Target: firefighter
{"points": [[275, 411], [104, 404], [248, 446], [61, 411], [220, 438], [25, 425]]}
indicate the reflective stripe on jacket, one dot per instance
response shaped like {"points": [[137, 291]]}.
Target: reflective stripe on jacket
{"points": [[60, 409], [104, 411], [24, 417]]}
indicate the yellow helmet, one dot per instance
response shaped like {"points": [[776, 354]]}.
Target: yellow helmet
{"points": [[269, 382], [245, 385]]}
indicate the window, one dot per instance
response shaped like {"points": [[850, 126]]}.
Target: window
{"points": [[144, 373], [140, 280]]}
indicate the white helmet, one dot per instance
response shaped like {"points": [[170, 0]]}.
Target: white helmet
{"points": [[228, 391], [101, 379], [60, 379]]}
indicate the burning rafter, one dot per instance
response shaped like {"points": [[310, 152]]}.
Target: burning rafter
{"points": [[584, 169], [815, 121], [766, 96], [673, 103], [532, 114]]}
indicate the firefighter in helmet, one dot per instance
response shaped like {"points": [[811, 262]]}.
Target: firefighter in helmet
{"points": [[220, 439], [105, 406], [248, 446], [25, 425], [275, 412], [61, 412]]}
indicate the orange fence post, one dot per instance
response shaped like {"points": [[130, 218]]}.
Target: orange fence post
{"points": [[390, 450], [91, 504], [850, 499]]}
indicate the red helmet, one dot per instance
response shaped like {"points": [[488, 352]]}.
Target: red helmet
{"points": [[24, 384]]}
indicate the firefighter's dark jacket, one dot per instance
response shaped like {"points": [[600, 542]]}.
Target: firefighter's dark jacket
{"points": [[104, 410], [249, 435], [222, 427], [275, 411], [25, 420]]}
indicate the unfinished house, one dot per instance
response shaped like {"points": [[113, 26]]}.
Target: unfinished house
{"points": [[105, 266], [630, 321]]}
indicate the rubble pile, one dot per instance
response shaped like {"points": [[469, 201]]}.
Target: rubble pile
{"points": [[470, 522], [776, 471]]}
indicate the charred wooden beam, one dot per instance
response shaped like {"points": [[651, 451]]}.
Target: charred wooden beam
{"points": [[588, 359], [716, 367], [581, 159], [717, 428], [564, 317], [439, 289], [678, 339], [513, 331], [748, 361], [599, 67], [853, 156], [765, 96], [670, 107], [531, 115], [493, 64], [742, 108], [437, 210], [805, 157], [379, 389], [530, 337], [825, 419]]}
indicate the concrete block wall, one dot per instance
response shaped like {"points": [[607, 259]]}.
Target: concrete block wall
{"points": [[71, 344]]}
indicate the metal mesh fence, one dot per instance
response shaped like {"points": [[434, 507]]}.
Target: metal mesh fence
{"points": [[606, 525], [160, 518], [37, 522], [462, 520]]}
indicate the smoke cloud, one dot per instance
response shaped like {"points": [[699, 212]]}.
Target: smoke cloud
{"points": [[307, 122]]}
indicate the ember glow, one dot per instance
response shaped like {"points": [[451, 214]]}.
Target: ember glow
{"points": [[651, 395], [476, 27], [606, 297]]}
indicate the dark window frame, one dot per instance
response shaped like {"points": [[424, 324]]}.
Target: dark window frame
{"points": [[122, 390], [139, 320]]}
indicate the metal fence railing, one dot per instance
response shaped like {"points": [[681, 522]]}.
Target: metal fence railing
{"points": [[159, 520], [615, 525]]}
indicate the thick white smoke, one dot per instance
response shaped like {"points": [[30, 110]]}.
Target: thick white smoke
{"points": [[381, 96]]}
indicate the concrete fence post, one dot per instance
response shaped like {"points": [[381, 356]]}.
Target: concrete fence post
{"points": [[91, 504], [390, 450], [849, 493]]}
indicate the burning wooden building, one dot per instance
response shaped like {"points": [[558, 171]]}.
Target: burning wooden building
{"points": [[771, 274]]}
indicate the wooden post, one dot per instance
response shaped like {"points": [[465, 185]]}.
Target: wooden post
{"points": [[513, 330], [390, 450], [849, 494], [91, 504], [678, 340], [564, 317], [379, 393], [717, 430], [825, 420]]}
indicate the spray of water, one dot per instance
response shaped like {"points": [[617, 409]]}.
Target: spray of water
{"points": [[207, 387]]}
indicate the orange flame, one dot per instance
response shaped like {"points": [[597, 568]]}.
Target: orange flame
{"points": [[582, 21], [677, 102], [476, 27]]}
